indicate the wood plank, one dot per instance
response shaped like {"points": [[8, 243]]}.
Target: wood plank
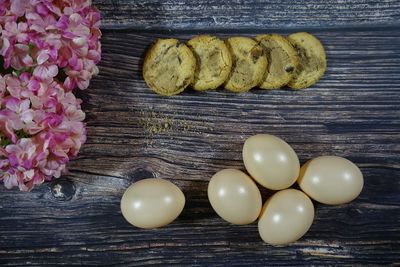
{"points": [[213, 14], [352, 112]]}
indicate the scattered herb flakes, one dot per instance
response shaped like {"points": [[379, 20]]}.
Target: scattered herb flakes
{"points": [[157, 123]]}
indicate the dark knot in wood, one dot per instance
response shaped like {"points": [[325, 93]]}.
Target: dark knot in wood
{"points": [[63, 189], [140, 174]]}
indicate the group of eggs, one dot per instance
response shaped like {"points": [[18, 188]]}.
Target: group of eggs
{"points": [[284, 218]]}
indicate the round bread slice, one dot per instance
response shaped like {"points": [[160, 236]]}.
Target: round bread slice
{"points": [[169, 67], [282, 60], [312, 60], [249, 64], [214, 62]]}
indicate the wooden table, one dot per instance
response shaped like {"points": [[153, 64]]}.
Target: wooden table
{"points": [[354, 112]]}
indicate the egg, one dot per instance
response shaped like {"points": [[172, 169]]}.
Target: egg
{"points": [[331, 180], [285, 217], [152, 203], [234, 196], [271, 161]]}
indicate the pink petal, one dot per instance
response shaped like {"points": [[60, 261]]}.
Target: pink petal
{"points": [[10, 180], [83, 84], [5, 47], [18, 7], [42, 57], [27, 116], [12, 103], [13, 160], [53, 70], [79, 41], [42, 9], [75, 19], [69, 84], [45, 72], [24, 105], [33, 85]]}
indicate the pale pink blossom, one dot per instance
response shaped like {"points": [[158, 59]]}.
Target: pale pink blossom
{"points": [[4, 7], [23, 86], [54, 129], [17, 32], [45, 71], [50, 34], [20, 58], [49, 48], [19, 7], [40, 24]]}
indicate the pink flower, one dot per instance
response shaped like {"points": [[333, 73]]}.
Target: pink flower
{"points": [[40, 24], [45, 7], [42, 9], [7, 119], [21, 158], [9, 178], [20, 58], [76, 6], [94, 55], [49, 48], [5, 48], [21, 154], [45, 71], [4, 7], [78, 79], [58, 133], [17, 32], [72, 26], [21, 108], [19, 7], [23, 87]]}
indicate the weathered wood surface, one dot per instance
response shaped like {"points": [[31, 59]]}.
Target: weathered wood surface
{"points": [[183, 14], [354, 111]]}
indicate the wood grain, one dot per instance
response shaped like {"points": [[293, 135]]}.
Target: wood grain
{"points": [[240, 14], [352, 112]]}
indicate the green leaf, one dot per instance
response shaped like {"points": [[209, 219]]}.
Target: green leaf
{"points": [[4, 141]]}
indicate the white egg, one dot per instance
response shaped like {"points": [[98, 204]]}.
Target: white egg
{"points": [[331, 180], [234, 196], [271, 161], [152, 203], [285, 217]]}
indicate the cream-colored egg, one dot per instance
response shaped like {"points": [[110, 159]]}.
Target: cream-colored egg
{"points": [[234, 196], [331, 180], [285, 217], [271, 161], [152, 203]]}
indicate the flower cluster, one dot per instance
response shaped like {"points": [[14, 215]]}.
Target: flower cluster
{"points": [[47, 49]]}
